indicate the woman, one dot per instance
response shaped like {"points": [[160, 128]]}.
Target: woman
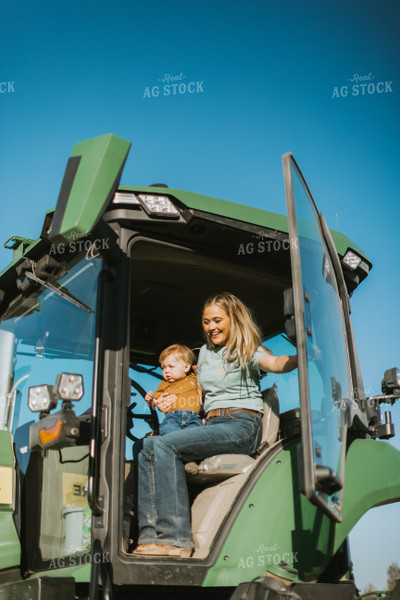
{"points": [[228, 372]]}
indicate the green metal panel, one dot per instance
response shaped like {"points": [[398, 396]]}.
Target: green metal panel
{"points": [[241, 212], [373, 478], [277, 523], [91, 178], [6, 452], [19, 245], [10, 548], [44, 588]]}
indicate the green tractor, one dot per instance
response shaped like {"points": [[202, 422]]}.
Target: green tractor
{"points": [[118, 274]]}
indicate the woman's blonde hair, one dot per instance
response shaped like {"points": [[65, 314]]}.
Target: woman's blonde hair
{"points": [[245, 335]]}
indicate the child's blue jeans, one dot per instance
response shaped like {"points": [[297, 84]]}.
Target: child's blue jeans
{"points": [[179, 419]]}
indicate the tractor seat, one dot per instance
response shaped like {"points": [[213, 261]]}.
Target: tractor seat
{"points": [[221, 466]]}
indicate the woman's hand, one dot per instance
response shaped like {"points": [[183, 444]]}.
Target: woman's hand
{"points": [[316, 355], [165, 402]]}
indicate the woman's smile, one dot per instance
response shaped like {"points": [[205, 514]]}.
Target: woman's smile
{"points": [[216, 324]]}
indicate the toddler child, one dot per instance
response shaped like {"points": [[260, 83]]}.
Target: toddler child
{"points": [[176, 362]]}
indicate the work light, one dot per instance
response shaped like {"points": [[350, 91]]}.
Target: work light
{"points": [[60, 429], [351, 260], [41, 398], [69, 386], [125, 198], [156, 206]]}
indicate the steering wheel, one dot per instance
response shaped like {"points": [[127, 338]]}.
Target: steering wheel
{"points": [[151, 419]]}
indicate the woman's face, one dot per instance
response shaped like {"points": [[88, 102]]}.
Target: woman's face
{"points": [[216, 324]]}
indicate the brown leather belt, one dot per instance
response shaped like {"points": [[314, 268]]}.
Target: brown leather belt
{"points": [[220, 412]]}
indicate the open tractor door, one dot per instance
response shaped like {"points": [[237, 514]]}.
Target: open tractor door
{"points": [[325, 373], [118, 274]]}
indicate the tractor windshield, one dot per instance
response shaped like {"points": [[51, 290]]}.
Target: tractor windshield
{"points": [[42, 334]]}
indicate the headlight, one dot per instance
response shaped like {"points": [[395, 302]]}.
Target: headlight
{"points": [[157, 206]]}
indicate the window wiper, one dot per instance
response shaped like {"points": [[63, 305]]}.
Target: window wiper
{"points": [[59, 290]]}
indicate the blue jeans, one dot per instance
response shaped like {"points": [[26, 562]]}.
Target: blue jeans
{"points": [[179, 419], [163, 500]]}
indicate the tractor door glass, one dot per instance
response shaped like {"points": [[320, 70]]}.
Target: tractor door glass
{"points": [[287, 384], [325, 375]]}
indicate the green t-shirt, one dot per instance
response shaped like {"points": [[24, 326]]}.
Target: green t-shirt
{"points": [[225, 384]]}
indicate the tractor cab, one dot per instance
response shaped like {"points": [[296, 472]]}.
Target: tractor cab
{"points": [[120, 273]]}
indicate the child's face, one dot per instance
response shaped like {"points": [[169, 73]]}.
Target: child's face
{"points": [[174, 368]]}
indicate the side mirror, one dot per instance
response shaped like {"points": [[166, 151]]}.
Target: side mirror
{"points": [[391, 382], [384, 429]]}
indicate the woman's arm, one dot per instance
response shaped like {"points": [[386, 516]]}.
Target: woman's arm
{"points": [[278, 364], [199, 392]]}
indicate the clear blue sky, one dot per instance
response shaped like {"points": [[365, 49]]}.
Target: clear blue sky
{"points": [[268, 77]]}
